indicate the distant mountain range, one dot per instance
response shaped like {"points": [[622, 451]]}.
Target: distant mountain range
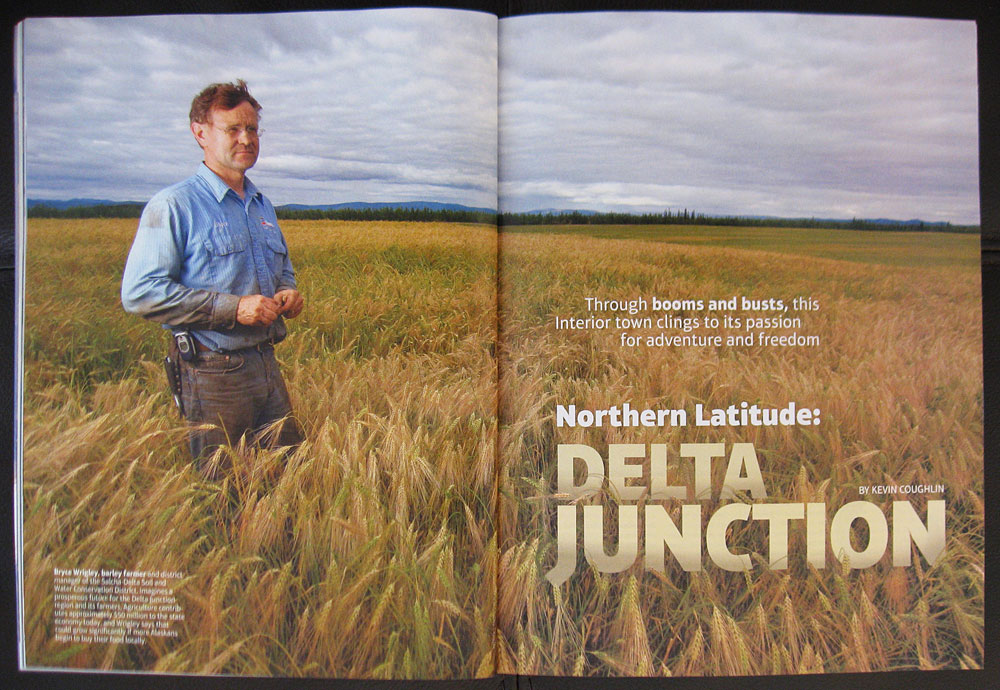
{"points": [[880, 221], [78, 203], [439, 206], [361, 205], [353, 205]]}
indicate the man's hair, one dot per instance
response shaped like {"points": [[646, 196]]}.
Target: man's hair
{"points": [[223, 96]]}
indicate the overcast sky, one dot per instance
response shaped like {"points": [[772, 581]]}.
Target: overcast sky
{"points": [[755, 114], [387, 105], [733, 113]]}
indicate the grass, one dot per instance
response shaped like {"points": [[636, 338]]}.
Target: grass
{"points": [[884, 248], [375, 549]]}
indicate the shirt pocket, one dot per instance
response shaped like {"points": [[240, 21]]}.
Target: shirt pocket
{"points": [[276, 254], [228, 252]]}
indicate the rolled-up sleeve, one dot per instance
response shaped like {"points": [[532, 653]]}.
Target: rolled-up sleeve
{"points": [[151, 284]]}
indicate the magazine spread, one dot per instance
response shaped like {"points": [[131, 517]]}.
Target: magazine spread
{"points": [[709, 403]]}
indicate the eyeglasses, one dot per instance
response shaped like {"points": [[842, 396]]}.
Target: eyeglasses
{"points": [[234, 131]]}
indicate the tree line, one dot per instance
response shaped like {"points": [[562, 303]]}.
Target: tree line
{"points": [[127, 210], [682, 217], [419, 215], [134, 210], [686, 217]]}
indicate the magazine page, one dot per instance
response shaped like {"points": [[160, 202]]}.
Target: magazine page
{"points": [[741, 345], [314, 248]]}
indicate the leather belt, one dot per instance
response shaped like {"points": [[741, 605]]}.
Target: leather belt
{"points": [[263, 346]]}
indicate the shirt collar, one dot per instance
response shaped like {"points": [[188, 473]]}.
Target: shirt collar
{"points": [[219, 188]]}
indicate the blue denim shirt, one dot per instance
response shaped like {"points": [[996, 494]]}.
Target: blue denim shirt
{"points": [[198, 249]]}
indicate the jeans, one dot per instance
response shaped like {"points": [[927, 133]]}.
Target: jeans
{"points": [[239, 392]]}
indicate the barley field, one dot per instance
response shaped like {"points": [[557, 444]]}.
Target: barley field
{"points": [[368, 552], [897, 375], [376, 548]]}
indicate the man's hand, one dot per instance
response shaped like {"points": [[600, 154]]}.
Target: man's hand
{"points": [[290, 303], [257, 310]]}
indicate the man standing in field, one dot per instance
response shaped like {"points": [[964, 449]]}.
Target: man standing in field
{"points": [[210, 263]]}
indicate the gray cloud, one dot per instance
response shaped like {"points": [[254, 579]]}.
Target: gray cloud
{"points": [[791, 115], [385, 105]]}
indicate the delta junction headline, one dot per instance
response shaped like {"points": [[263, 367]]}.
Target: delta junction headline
{"points": [[583, 471]]}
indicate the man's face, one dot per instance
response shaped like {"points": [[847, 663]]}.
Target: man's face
{"points": [[229, 139]]}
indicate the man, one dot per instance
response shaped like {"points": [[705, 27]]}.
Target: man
{"points": [[210, 263]]}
